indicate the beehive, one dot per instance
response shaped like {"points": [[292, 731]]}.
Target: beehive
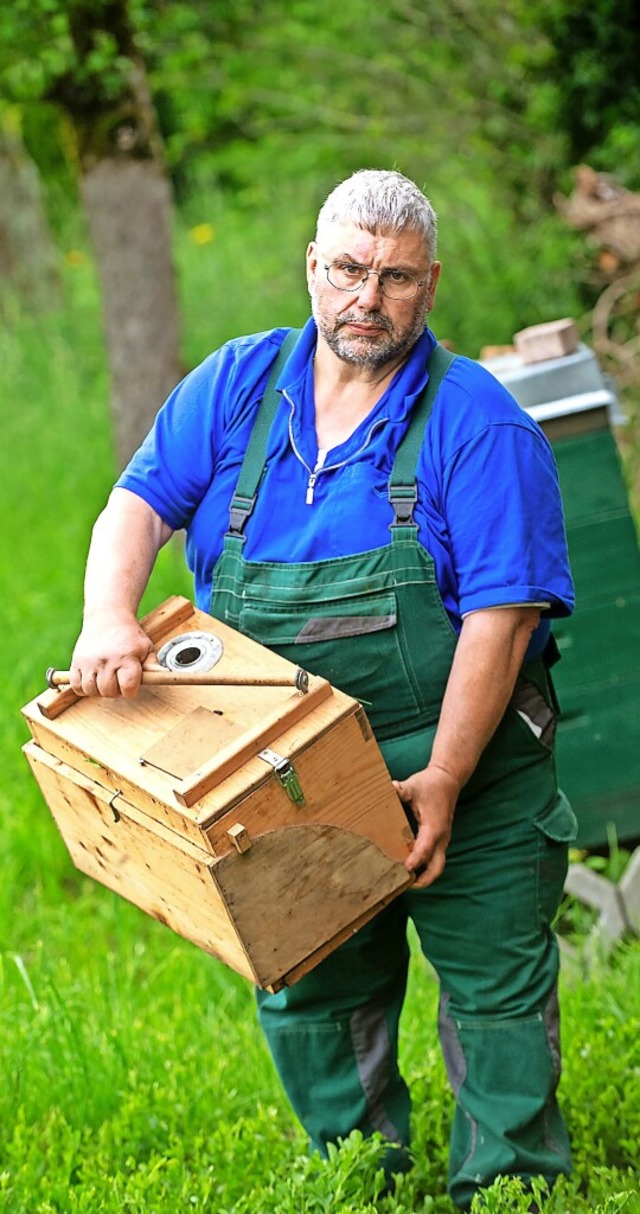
{"points": [[597, 681], [256, 819]]}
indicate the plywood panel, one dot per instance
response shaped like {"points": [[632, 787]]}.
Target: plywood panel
{"points": [[345, 783], [114, 845], [297, 887]]}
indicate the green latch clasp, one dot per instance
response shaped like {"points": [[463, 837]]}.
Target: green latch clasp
{"points": [[286, 773]]}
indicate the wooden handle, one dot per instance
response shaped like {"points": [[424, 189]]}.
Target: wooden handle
{"points": [[160, 675]]}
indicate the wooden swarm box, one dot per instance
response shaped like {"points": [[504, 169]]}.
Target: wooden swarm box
{"points": [[177, 800]]}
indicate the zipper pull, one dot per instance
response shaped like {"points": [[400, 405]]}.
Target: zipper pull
{"points": [[313, 476]]}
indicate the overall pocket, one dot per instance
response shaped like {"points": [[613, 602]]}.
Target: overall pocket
{"points": [[355, 643], [557, 828]]}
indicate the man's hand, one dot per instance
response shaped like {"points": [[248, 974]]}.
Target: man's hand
{"points": [[432, 795], [109, 654]]}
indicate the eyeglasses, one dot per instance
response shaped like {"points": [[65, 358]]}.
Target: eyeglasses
{"points": [[395, 284]]}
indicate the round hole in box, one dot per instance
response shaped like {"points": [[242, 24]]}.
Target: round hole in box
{"points": [[191, 651], [187, 656]]}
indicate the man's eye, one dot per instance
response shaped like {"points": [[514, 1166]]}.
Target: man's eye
{"points": [[351, 269], [397, 276]]}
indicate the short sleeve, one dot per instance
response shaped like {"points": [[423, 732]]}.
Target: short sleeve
{"points": [[209, 412], [505, 520], [173, 466]]}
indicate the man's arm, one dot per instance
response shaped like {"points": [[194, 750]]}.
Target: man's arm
{"points": [[488, 656], [108, 656]]}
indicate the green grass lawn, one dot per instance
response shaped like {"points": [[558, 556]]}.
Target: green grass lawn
{"points": [[133, 1075]]}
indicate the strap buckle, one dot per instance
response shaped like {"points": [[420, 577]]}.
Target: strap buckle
{"points": [[239, 511], [403, 499]]}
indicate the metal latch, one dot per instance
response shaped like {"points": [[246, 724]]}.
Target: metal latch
{"points": [[286, 774]]}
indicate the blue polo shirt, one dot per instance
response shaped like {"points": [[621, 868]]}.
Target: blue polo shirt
{"points": [[489, 509]]}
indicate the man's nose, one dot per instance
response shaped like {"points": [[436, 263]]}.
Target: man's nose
{"points": [[370, 289]]}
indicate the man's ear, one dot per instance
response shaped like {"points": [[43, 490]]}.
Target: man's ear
{"points": [[434, 278], [312, 262]]}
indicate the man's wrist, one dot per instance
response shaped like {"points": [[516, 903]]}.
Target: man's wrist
{"points": [[442, 768], [109, 611]]}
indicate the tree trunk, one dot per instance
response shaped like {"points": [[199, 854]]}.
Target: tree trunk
{"points": [[128, 205], [28, 261], [127, 195]]}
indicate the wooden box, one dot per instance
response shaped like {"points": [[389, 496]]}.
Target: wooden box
{"points": [[256, 819]]}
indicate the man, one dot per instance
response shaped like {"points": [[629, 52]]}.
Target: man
{"points": [[420, 576]]}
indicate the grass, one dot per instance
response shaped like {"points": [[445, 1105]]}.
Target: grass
{"points": [[133, 1075]]}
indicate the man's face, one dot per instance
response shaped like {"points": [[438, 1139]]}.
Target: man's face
{"points": [[366, 327]]}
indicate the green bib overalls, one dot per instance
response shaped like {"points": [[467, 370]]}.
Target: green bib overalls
{"points": [[374, 624]]}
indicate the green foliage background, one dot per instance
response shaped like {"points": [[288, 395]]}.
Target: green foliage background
{"points": [[264, 106], [132, 1074]]}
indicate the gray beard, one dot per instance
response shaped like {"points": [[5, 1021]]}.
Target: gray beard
{"points": [[360, 351]]}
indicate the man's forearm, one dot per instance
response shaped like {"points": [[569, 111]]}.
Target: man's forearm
{"points": [[112, 647], [487, 659], [125, 542], [488, 656]]}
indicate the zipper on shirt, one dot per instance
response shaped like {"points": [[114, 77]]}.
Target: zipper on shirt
{"points": [[320, 465], [313, 476]]}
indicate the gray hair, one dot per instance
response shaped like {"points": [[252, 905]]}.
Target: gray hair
{"points": [[380, 200]]}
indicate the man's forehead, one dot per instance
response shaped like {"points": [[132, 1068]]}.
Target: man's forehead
{"points": [[349, 238]]}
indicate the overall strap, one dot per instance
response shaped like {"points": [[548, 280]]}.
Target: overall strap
{"points": [[252, 469], [403, 490]]}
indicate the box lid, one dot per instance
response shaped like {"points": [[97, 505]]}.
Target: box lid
{"points": [[182, 746], [554, 387]]}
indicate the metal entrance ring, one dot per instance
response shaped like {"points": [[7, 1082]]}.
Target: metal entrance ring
{"points": [[192, 651]]}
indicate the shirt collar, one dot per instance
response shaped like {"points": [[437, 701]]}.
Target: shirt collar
{"points": [[399, 397]]}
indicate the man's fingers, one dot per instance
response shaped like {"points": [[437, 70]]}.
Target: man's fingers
{"points": [[428, 853], [108, 680], [431, 803], [422, 853], [129, 675], [109, 664], [427, 864], [83, 680]]}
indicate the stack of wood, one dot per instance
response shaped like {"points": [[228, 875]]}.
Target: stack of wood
{"points": [[609, 213]]}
